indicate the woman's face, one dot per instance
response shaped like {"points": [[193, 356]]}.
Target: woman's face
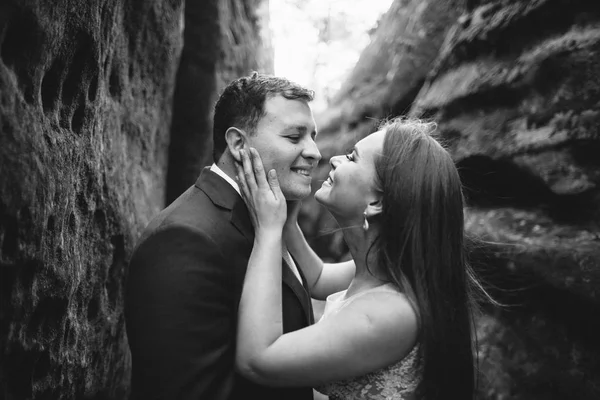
{"points": [[351, 184]]}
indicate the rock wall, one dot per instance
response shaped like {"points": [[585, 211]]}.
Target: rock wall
{"points": [[516, 93], [86, 97], [223, 41], [85, 108]]}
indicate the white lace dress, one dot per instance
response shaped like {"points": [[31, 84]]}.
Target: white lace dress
{"points": [[395, 382]]}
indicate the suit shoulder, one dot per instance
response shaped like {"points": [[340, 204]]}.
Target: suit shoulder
{"points": [[192, 209]]}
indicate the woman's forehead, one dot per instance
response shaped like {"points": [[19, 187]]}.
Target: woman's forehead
{"points": [[372, 143]]}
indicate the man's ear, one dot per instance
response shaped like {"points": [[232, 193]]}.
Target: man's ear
{"points": [[236, 140]]}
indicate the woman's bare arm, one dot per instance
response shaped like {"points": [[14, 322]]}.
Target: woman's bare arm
{"points": [[372, 332], [323, 278]]}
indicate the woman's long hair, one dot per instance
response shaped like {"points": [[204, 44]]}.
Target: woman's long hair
{"points": [[421, 249]]}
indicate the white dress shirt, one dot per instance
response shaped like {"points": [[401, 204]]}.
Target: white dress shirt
{"points": [[285, 253], [214, 168]]}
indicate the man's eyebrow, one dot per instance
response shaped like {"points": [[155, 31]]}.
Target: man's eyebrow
{"points": [[297, 128]]}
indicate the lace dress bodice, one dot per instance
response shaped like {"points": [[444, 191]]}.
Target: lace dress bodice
{"points": [[395, 382]]}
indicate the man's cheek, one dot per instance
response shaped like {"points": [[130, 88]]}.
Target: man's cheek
{"points": [[268, 159]]}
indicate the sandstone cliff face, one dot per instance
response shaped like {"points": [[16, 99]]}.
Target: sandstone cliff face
{"points": [[515, 89], [85, 108], [86, 96], [516, 93]]}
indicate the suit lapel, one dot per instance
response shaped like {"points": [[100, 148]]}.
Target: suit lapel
{"points": [[222, 194], [240, 218], [299, 290], [309, 308]]}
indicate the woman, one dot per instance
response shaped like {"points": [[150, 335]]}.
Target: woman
{"points": [[398, 318]]}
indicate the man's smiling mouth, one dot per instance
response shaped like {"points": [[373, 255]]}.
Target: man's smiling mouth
{"points": [[302, 171]]}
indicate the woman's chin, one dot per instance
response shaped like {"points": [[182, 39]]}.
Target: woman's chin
{"points": [[320, 195]]}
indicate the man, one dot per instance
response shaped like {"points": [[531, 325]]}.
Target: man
{"points": [[186, 273]]}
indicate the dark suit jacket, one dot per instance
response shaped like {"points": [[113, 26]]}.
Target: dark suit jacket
{"points": [[183, 289]]}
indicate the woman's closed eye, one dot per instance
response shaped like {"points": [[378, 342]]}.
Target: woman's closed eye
{"points": [[350, 154], [294, 138]]}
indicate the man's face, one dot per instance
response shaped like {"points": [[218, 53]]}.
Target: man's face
{"points": [[285, 140]]}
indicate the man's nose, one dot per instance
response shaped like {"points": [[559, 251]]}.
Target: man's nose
{"points": [[311, 151]]}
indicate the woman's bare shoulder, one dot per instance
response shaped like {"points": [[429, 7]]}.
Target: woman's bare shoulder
{"points": [[389, 314]]}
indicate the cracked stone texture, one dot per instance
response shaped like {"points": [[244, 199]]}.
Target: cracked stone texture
{"points": [[515, 91], [86, 98]]}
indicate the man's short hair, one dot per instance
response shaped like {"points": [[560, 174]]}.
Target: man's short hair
{"points": [[242, 104]]}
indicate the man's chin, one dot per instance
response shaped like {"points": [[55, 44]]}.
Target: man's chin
{"points": [[296, 194]]}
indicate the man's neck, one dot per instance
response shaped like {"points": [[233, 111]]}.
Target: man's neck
{"points": [[226, 165]]}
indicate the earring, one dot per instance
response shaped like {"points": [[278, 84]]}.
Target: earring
{"points": [[366, 223]]}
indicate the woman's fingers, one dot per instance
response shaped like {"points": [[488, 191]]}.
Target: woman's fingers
{"points": [[254, 177], [259, 171], [241, 180], [263, 181], [248, 171], [274, 185], [261, 193]]}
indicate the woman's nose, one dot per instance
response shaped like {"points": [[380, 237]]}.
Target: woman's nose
{"points": [[335, 161]]}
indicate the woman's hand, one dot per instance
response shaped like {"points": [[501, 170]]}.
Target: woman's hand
{"points": [[261, 194]]}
